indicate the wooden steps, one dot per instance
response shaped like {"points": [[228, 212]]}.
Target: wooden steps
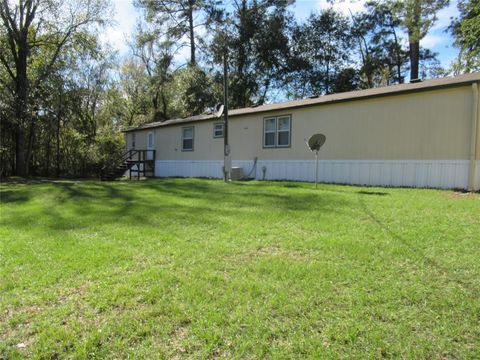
{"points": [[136, 162], [116, 172]]}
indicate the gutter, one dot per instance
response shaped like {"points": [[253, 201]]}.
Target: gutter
{"points": [[472, 186]]}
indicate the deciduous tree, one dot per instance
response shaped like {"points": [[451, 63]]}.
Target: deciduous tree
{"points": [[322, 51], [466, 31], [417, 18], [34, 34]]}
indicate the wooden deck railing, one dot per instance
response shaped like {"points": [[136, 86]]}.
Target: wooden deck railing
{"points": [[143, 159], [139, 156]]}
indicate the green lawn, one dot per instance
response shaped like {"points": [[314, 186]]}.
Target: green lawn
{"points": [[202, 269]]}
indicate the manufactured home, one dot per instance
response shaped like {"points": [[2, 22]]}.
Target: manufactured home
{"points": [[424, 134]]}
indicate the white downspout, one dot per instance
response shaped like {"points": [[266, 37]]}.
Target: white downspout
{"points": [[472, 186]]}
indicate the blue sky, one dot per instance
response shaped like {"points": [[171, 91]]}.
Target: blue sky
{"points": [[437, 40]]}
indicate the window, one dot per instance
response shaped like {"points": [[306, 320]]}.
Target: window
{"points": [[150, 140], [187, 139], [133, 140], [277, 131], [283, 131], [218, 130], [270, 126]]}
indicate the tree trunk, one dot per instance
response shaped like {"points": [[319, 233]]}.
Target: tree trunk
{"points": [[21, 105], [20, 164], [17, 25], [414, 59], [327, 79], [31, 140], [192, 33], [47, 156], [397, 55], [57, 168], [414, 39], [165, 106], [240, 96]]}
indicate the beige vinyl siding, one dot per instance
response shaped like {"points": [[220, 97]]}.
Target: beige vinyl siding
{"points": [[430, 125], [478, 123], [205, 145], [140, 139]]}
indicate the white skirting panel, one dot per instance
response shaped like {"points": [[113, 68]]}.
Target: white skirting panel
{"points": [[477, 176], [410, 173], [188, 168], [197, 168]]}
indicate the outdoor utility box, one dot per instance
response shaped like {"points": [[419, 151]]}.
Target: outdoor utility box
{"points": [[237, 173]]}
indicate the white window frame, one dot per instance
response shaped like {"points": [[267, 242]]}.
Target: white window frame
{"points": [[277, 131], [184, 138], [152, 145], [289, 131], [215, 136], [134, 138], [265, 132]]}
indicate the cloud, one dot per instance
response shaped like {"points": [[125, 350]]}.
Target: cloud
{"points": [[183, 54], [125, 17], [303, 8], [445, 16], [344, 6], [430, 41], [126, 14]]}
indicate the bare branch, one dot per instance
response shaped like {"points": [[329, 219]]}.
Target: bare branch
{"points": [[7, 67]]}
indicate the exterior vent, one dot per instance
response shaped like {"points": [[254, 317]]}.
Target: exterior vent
{"points": [[313, 96], [413, 81]]}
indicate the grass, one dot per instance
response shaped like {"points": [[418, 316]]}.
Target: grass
{"points": [[201, 269]]}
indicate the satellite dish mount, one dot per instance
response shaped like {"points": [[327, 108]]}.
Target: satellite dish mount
{"points": [[315, 142]]}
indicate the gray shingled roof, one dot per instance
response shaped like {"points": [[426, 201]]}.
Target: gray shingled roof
{"points": [[328, 99]]}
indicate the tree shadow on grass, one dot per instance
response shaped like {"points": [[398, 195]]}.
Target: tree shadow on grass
{"points": [[22, 190], [377, 193], [417, 253], [197, 202], [13, 196], [252, 194]]}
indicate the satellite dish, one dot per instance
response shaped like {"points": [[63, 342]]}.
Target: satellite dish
{"points": [[316, 142], [219, 112]]}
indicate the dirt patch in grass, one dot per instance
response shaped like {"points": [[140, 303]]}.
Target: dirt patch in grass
{"points": [[177, 338], [462, 194], [269, 252]]}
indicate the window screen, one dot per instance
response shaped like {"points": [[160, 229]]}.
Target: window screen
{"points": [[187, 139], [218, 130], [277, 131]]}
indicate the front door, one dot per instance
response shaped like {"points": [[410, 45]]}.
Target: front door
{"points": [[150, 145]]}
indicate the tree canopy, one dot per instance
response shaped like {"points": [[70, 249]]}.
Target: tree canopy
{"points": [[466, 31], [65, 97]]}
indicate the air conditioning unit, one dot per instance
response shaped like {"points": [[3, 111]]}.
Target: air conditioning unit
{"points": [[236, 173]]}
